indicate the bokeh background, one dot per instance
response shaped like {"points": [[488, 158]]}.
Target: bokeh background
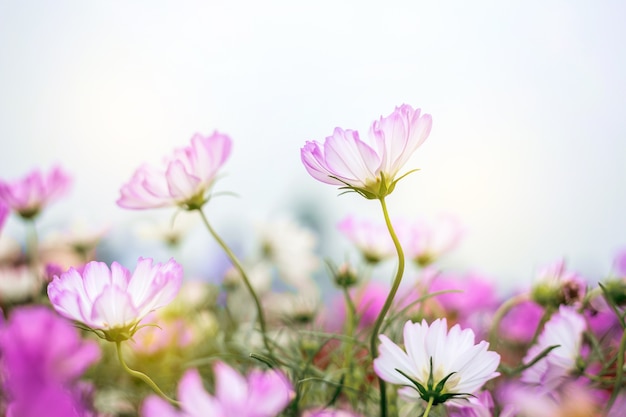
{"points": [[528, 101]]}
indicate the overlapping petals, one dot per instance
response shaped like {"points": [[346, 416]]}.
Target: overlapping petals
{"points": [[368, 167], [185, 178], [260, 394], [29, 195], [114, 300], [434, 353]]}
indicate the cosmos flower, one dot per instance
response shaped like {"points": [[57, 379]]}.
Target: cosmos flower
{"points": [[184, 180], [438, 365], [113, 300], [372, 239], [426, 242], [29, 195], [260, 394], [564, 330], [368, 167], [41, 357]]}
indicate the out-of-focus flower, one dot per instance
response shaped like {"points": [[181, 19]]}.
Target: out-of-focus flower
{"points": [[184, 179], [42, 356], [564, 330], [471, 301], [171, 231], [164, 333], [620, 263], [29, 195], [425, 242], [520, 324], [291, 248], [438, 365], [369, 168], [371, 238], [4, 213], [113, 300], [329, 412], [556, 285], [17, 283], [260, 394], [479, 405]]}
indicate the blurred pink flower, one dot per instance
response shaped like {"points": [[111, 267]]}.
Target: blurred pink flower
{"points": [[329, 412], [426, 242], [42, 357], [479, 405], [169, 333], [435, 355], [184, 180], [369, 168], [4, 213], [620, 263], [260, 394], [29, 195], [521, 322], [371, 238], [113, 300], [565, 330]]}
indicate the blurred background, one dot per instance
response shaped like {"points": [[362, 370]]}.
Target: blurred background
{"points": [[528, 99]]}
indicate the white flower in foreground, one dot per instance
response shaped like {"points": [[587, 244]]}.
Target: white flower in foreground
{"points": [[112, 300], [438, 365], [564, 330]]}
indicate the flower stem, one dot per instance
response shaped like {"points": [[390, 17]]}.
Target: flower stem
{"points": [[145, 378], [246, 280], [383, 312], [619, 373], [32, 243], [500, 313], [428, 407]]}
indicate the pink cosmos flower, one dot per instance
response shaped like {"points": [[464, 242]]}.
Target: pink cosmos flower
{"points": [[41, 357], [329, 412], [185, 178], [260, 394], [427, 242], [113, 300], [565, 330], [29, 195], [371, 238], [4, 213], [439, 364], [368, 167]]}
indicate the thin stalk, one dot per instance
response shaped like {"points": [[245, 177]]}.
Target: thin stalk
{"points": [[392, 293], [348, 357], [32, 243], [246, 280], [137, 374], [619, 373], [500, 313], [428, 407]]}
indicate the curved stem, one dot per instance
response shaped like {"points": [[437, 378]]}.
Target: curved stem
{"points": [[500, 313], [619, 373], [383, 312], [145, 378], [246, 280], [428, 407]]}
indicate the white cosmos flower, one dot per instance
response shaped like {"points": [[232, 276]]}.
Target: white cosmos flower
{"points": [[564, 330], [438, 364]]}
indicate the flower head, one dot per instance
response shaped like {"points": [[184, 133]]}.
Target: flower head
{"points": [[565, 331], [184, 180], [368, 167], [112, 300], [438, 365], [260, 394], [372, 239], [29, 195], [42, 356]]}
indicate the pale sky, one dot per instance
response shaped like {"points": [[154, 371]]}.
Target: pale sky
{"points": [[527, 98]]}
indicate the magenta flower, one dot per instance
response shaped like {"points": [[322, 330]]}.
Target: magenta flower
{"points": [[261, 394], [41, 357], [368, 167], [112, 301], [436, 364], [29, 195], [4, 213], [565, 330], [183, 181]]}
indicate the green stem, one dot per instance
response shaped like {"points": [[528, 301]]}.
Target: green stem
{"points": [[348, 357], [428, 407], [500, 313], [140, 375], [32, 243], [619, 373], [392, 293], [246, 280]]}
